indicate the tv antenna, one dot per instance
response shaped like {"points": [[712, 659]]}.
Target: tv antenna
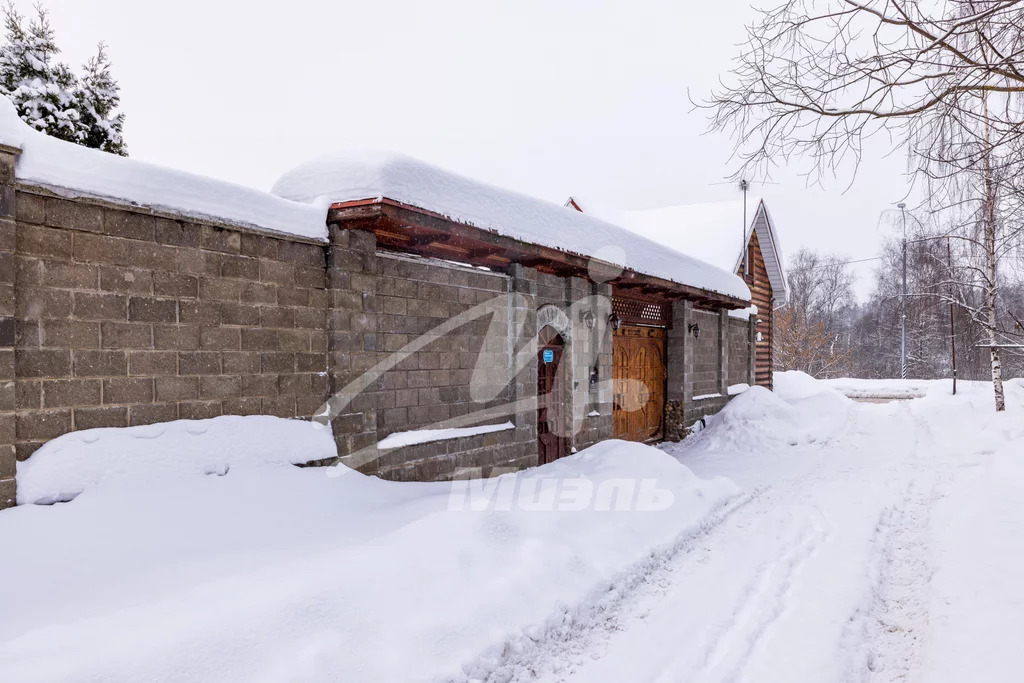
{"points": [[744, 188]]}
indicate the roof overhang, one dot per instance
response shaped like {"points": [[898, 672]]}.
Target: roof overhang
{"points": [[770, 251], [409, 229]]}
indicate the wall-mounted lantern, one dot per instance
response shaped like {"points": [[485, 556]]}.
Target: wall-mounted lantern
{"points": [[694, 329], [614, 321], [594, 375], [587, 318]]}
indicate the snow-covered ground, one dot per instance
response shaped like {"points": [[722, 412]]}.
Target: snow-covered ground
{"points": [[268, 572], [880, 543], [859, 542]]}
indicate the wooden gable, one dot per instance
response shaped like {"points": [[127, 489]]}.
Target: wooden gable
{"points": [[761, 295]]}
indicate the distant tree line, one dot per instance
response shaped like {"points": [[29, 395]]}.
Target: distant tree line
{"points": [[826, 332], [943, 82], [49, 96]]}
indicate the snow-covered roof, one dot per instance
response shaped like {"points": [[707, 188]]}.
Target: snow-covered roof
{"points": [[376, 175], [72, 170], [713, 232]]}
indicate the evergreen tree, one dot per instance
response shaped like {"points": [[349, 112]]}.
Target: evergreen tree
{"points": [[48, 95], [42, 89], [97, 97]]}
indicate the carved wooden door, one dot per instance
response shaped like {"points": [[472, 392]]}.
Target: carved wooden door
{"points": [[638, 373]]}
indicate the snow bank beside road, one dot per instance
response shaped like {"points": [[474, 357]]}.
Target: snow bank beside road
{"points": [[758, 419], [76, 461], [794, 384], [279, 573]]}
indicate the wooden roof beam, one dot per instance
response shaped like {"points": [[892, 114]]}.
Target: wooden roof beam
{"points": [[486, 252], [396, 217], [422, 240]]}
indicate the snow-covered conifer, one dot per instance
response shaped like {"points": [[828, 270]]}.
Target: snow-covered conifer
{"points": [[98, 97], [42, 89]]}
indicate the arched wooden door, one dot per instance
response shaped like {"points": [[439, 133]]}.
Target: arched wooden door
{"points": [[551, 397], [638, 373]]}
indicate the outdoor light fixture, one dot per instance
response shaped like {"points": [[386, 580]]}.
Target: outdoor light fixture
{"points": [[614, 321], [694, 329], [594, 375], [588, 319]]}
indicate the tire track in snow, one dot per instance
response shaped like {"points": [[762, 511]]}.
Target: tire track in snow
{"points": [[893, 626], [726, 647], [763, 603], [887, 635], [545, 650]]}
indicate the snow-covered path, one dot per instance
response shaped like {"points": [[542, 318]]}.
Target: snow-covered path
{"points": [[826, 572]]}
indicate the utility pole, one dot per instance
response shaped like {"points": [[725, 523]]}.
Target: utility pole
{"points": [[903, 307]]}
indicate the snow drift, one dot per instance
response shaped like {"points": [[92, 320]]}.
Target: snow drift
{"points": [[801, 410], [273, 573], [76, 461]]}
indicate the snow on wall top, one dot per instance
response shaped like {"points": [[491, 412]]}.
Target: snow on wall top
{"points": [[73, 170], [374, 175]]}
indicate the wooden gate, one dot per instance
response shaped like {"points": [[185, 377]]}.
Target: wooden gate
{"points": [[638, 370], [551, 397]]}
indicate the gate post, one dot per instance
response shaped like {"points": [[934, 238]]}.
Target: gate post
{"points": [[523, 302], [752, 349], [723, 352], [604, 397], [8, 459], [352, 320], [679, 380]]}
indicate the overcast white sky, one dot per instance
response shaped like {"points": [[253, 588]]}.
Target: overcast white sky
{"points": [[546, 97]]}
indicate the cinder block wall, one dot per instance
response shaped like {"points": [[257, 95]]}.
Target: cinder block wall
{"points": [[115, 316], [444, 332], [705, 354], [457, 373], [740, 349], [124, 317], [450, 346], [399, 362], [701, 368], [118, 316]]}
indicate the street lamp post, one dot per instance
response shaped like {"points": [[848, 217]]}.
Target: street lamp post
{"points": [[903, 308]]}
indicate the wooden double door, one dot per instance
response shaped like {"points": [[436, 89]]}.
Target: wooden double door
{"points": [[638, 372]]}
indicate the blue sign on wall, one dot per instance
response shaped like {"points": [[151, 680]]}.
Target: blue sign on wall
{"points": [[549, 356]]}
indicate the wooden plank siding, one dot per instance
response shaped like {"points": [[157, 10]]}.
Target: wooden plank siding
{"points": [[761, 296]]}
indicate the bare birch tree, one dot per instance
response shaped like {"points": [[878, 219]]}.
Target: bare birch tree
{"points": [[942, 78]]}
